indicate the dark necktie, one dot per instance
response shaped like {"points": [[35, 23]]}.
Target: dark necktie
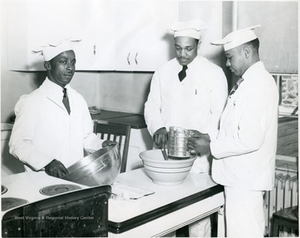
{"points": [[182, 73], [66, 100], [235, 87]]}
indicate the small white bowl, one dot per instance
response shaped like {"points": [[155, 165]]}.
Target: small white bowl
{"points": [[165, 172]]}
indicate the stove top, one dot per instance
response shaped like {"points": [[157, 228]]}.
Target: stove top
{"points": [[3, 189], [58, 188], [10, 202]]}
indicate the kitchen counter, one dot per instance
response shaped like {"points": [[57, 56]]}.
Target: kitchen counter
{"points": [[167, 210], [136, 121], [163, 211]]}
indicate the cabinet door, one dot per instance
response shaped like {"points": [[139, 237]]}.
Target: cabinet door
{"points": [[52, 21], [143, 41], [101, 34], [16, 30], [124, 25]]}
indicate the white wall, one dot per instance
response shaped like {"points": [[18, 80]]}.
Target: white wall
{"points": [[127, 91], [124, 91], [278, 33]]}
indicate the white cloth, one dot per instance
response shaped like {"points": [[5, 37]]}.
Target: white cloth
{"points": [[237, 38], [194, 103], [44, 130], [244, 213], [50, 50], [191, 29], [245, 148]]}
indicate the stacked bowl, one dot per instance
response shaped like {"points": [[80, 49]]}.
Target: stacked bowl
{"points": [[166, 172]]}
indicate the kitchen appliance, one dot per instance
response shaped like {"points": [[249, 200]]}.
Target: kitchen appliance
{"points": [[3, 189], [58, 188], [10, 202], [98, 168], [165, 172], [80, 213]]}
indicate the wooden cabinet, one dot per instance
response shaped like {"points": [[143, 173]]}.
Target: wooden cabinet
{"points": [[116, 34], [143, 43]]}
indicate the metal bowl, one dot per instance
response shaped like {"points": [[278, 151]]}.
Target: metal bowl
{"points": [[98, 168]]}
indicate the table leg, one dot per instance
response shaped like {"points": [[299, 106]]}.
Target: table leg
{"points": [[221, 223]]}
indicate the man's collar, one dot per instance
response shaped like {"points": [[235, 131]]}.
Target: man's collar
{"points": [[252, 68]]}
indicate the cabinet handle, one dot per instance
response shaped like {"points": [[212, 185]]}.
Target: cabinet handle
{"points": [[135, 58], [128, 60], [94, 50]]}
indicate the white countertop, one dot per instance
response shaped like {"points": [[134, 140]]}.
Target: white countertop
{"points": [[27, 185], [163, 195]]}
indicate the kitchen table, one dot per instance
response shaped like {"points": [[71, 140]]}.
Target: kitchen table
{"points": [[165, 211]]}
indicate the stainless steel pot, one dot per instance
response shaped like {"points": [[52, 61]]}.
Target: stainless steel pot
{"points": [[98, 168]]}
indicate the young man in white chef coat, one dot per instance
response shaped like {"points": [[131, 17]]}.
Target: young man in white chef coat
{"points": [[244, 148], [47, 134], [189, 92]]}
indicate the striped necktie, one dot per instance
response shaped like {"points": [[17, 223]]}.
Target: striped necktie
{"points": [[182, 73], [235, 87], [66, 100]]}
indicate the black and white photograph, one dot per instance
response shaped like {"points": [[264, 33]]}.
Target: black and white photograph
{"points": [[149, 118]]}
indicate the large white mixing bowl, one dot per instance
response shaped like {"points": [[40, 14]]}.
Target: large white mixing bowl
{"points": [[165, 172]]}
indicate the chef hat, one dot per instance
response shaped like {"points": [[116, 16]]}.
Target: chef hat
{"points": [[188, 28], [237, 38], [50, 50]]}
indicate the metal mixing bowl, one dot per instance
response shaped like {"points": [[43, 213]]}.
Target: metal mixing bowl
{"points": [[98, 168]]}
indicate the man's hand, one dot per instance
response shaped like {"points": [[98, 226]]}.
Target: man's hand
{"points": [[108, 143], [56, 169], [199, 142], [160, 137]]}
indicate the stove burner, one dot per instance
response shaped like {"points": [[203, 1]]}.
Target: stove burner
{"points": [[3, 189], [9, 202], [58, 188]]}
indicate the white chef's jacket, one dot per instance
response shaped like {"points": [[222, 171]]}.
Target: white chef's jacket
{"points": [[194, 103], [245, 148], [44, 130]]}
